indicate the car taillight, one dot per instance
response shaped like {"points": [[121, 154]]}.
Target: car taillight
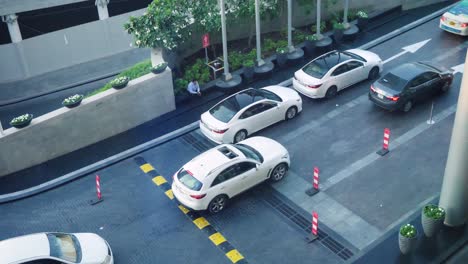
{"points": [[315, 86], [464, 25], [220, 131], [394, 98], [443, 18], [372, 88], [197, 196]]}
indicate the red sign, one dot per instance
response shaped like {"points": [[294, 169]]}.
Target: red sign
{"points": [[206, 40]]}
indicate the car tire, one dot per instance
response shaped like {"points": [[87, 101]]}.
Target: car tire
{"points": [[407, 106], [331, 92], [217, 204], [373, 73], [240, 135], [445, 87], [291, 113], [278, 173]]}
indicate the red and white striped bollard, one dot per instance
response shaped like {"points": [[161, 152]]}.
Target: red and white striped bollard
{"points": [[314, 229], [386, 142]]}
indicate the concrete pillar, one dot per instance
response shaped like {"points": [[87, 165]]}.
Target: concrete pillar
{"points": [[258, 34], [290, 44], [13, 27], [345, 14], [227, 74], [454, 193], [102, 9]]}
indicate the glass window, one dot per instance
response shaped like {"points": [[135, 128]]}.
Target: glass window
{"points": [[253, 110], [249, 152], [428, 76], [341, 69], [354, 64], [392, 81], [269, 95], [245, 167], [418, 81], [225, 175], [266, 106], [187, 179], [64, 246], [315, 69], [224, 111]]}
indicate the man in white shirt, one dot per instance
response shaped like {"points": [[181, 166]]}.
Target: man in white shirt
{"points": [[193, 87]]}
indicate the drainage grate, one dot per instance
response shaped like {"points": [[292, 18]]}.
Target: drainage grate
{"points": [[197, 141], [305, 225]]}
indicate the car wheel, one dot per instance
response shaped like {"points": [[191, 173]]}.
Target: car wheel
{"points": [[217, 204], [291, 112], [331, 92], [374, 73], [407, 106], [279, 172], [239, 136], [445, 88]]}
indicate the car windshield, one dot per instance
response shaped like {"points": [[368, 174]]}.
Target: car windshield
{"points": [[269, 95], [187, 179], [249, 152], [354, 56], [64, 246], [393, 82]]}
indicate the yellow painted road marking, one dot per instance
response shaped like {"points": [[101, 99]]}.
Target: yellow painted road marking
{"points": [[234, 255], [158, 180], [183, 209], [201, 222], [169, 194], [146, 167], [217, 238]]}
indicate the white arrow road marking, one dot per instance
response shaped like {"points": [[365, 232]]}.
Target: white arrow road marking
{"points": [[411, 48], [459, 68]]}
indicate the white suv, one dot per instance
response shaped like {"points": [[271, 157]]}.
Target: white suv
{"points": [[211, 178]]}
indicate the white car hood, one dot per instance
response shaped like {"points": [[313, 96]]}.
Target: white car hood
{"points": [[268, 148], [212, 122], [285, 93], [370, 57], [93, 248]]}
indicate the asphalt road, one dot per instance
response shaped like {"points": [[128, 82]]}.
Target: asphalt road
{"points": [[336, 135]]}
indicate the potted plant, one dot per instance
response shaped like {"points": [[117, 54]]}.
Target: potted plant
{"points": [[159, 68], [432, 218], [248, 69], [72, 101], [120, 82], [338, 28], [21, 121], [281, 55], [362, 19], [310, 43], [407, 238]]}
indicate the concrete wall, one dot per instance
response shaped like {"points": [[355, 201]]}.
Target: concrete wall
{"points": [[16, 6], [98, 117], [64, 48]]}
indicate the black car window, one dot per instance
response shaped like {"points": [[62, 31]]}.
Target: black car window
{"points": [[244, 167], [341, 69], [225, 175], [42, 261], [417, 81], [354, 64], [429, 76], [266, 106], [251, 111], [269, 95], [392, 81]]}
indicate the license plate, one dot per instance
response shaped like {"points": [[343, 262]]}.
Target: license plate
{"points": [[452, 23], [380, 96]]}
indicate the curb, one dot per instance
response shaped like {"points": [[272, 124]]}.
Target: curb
{"points": [[162, 139]]}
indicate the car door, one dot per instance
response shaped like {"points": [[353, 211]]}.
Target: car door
{"points": [[338, 77], [247, 171], [417, 88], [259, 116], [433, 83], [227, 182], [356, 71]]}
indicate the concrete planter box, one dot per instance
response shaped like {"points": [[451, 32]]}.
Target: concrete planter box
{"points": [[98, 117]]}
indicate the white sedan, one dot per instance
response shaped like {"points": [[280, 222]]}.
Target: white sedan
{"points": [[248, 111], [456, 19], [84, 248], [326, 75], [211, 178]]}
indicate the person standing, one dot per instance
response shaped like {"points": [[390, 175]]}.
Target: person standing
{"points": [[193, 87]]}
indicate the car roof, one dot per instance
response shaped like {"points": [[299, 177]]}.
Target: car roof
{"points": [[24, 247], [210, 160], [243, 98], [408, 71], [460, 9], [332, 58]]}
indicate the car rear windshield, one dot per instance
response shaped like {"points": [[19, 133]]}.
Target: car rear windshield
{"points": [[315, 69], [187, 179], [64, 246], [224, 111], [393, 82]]}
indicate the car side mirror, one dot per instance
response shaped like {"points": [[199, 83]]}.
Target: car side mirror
{"points": [[257, 166]]}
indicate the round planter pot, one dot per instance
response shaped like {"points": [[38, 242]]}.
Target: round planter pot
{"points": [[310, 47], [77, 103], [431, 226], [281, 58], [23, 124], [406, 244], [248, 73], [158, 70], [338, 35], [120, 86], [362, 23]]}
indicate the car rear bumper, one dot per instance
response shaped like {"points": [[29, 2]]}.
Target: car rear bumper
{"points": [[454, 29], [215, 137], [391, 106], [309, 92], [189, 204]]}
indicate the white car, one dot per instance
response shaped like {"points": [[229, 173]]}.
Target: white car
{"points": [[248, 111], [456, 19], [84, 248], [326, 75], [211, 178]]}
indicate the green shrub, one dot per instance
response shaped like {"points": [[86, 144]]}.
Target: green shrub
{"points": [[282, 50], [323, 26], [180, 86], [338, 25], [298, 36], [198, 71], [235, 59], [361, 14], [312, 37], [433, 211], [408, 231], [269, 45], [248, 63]]}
